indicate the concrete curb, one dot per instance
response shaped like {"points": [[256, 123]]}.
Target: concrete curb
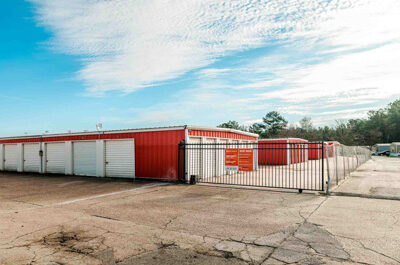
{"points": [[367, 196]]}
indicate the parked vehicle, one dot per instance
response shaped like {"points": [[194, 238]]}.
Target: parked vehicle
{"points": [[381, 149]]}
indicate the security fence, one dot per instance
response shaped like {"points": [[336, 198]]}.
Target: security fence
{"points": [[342, 160], [285, 165]]}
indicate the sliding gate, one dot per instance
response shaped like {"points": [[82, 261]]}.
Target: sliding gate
{"points": [[297, 166]]}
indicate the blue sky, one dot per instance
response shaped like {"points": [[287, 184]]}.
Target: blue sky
{"points": [[67, 65]]}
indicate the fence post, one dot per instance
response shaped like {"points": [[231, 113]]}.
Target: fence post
{"points": [[182, 152], [336, 164], [344, 163], [322, 166], [348, 165], [327, 169]]}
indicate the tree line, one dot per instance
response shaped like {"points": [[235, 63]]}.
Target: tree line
{"points": [[380, 126]]}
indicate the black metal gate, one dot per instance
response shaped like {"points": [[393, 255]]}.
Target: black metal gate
{"points": [[283, 165]]}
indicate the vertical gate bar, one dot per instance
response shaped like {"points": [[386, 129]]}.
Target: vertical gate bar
{"points": [[184, 161], [300, 158], [309, 179], [323, 171]]}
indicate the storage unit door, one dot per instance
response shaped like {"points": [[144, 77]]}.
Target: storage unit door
{"points": [[55, 158], [210, 158], [84, 158], [120, 158], [10, 157], [194, 153], [221, 156], [31, 158]]}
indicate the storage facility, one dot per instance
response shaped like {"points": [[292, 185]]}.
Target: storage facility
{"points": [[206, 156], [315, 150], [150, 153], [282, 151]]}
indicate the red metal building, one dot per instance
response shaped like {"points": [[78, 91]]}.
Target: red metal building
{"points": [[282, 151], [150, 153], [315, 151]]}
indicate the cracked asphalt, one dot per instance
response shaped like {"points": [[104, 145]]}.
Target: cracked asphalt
{"points": [[76, 220]]}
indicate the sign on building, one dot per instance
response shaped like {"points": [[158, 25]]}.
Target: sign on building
{"points": [[239, 159]]}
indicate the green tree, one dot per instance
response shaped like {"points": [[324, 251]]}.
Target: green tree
{"points": [[381, 125], [393, 121], [274, 123], [257, 128], [306, 124], [232, 125]]}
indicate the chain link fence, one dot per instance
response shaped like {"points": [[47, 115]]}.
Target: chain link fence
{"points": [[341, 160]]}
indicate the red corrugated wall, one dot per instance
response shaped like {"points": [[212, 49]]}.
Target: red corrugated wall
{"points": [[272, 152], [275, 152], [297, 151], [316, 152], [156, 152]]}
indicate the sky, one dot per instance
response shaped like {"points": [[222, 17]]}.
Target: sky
{"points": [[67, 65]]}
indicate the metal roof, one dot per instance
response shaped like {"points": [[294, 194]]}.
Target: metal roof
{"points": [[218, 129], [275, 139], [167, 128]]}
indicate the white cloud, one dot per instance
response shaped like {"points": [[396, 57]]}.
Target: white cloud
{"points": [[250, 122], [260, 85], [132, 44], [350, 78], [334, 53], [213, 72]]}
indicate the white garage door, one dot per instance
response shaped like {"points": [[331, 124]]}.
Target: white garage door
{"points": [[195, 157], [120, 158], [84, 154], [10, 157], [31, 158], [221, 156], [210, 158], [55, 158]]}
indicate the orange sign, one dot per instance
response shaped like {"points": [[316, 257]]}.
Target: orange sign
{"points": [[239, 159], [246, 159], [232, 159]]}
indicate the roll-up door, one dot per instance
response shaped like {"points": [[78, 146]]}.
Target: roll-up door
{"points": [[195, 157], [84, 155], [210, 158], [10, 157], [55, 158], [31, 158], [120, 158]]}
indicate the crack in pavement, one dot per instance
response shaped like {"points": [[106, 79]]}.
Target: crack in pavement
{"points": [[297, 243], [367, 248]]}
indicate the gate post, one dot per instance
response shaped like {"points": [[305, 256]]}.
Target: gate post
{"points": [[182, 161], [328, 182], [322, 166]]}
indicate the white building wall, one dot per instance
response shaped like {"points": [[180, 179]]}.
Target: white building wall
{"points": [[1, 156], [68, 158], [20, 157], [100, 158]]}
